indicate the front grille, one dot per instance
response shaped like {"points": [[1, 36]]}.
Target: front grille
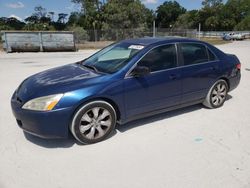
{"points": [[19, 100]]}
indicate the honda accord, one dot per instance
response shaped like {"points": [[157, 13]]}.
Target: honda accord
{"points": [[125, 81]]}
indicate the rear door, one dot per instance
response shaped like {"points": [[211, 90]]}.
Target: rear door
{"points": [[200, 69]]}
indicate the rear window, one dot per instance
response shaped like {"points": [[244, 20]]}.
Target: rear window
{"points": [[194, 53]]}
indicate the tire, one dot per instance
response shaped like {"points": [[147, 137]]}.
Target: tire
{"points": [[216, 95], [93, 122]]}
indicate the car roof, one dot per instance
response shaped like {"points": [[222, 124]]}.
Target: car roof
{"points": [[161, 40]]}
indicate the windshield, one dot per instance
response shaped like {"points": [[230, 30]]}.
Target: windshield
{"points": [[112, 58]]}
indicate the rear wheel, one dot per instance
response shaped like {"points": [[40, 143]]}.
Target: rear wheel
{"points": [[93, 122], [216, 95]]}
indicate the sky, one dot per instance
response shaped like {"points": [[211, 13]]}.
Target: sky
{"points": [[24, 8]]}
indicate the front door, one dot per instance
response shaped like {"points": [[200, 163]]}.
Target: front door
{"points": [[157, 90]]}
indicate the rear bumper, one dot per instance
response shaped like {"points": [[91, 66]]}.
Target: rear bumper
{"points": [[53, 124], [234, 81]]}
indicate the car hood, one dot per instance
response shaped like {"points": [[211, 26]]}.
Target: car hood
{"points": [[58, 80]]}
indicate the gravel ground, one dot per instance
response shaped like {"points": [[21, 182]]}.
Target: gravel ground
{"points": [[192, 147]]}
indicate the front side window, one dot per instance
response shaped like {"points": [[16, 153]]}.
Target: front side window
{"points": [[160, 58], [112, 58], [194, 53]]}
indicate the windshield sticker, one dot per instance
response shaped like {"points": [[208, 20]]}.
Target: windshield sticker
{"points": [[136, 47]]}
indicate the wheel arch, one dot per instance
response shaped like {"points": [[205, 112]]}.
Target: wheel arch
{"points": [[227, 81], [81, 106], [110, 101]]}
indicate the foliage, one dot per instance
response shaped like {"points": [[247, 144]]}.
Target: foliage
{"points": [[39, 27], [40, 20], [40, 12], [117, 19], [168, 12], [80, 33], [189, 20], [11, 24], [124, 14], [244, 24], [62, 17]]}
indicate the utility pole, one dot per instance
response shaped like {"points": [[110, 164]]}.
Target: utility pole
{"points": [[154, 28], [199, 31]]}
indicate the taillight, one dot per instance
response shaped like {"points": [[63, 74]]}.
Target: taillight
{"points": [[238, 66]]}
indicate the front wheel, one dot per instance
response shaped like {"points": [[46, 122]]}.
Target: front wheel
{"points": [[93, 122], [217, 94]]}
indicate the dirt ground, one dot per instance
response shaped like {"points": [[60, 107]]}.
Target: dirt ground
{"points": [[192, 147]]}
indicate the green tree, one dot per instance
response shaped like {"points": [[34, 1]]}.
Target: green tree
{"points": [[62, 17], [32, 19], [39, 16], [168, 12], [51, 16], [40, 11], [74, 19], [126, 19], [244, 24], [90, 17], [14, 23], [125, 14], [80, 34], [3, 24], [189, 20], [237, 9], [149, 17], [89, 6], [211, 3], [210, 14]]}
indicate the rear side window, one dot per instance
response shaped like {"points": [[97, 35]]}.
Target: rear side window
{"points": [[160, 58], [194, 53], [212, 57]]}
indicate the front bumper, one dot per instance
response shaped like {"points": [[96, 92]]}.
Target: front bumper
{"points": [[50, 124]]}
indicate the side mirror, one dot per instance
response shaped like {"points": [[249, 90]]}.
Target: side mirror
{"points": [[140, 71]]}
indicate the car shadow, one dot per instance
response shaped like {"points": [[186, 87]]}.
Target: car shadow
{"points": [[113, 133], [229, 97], [50, 143], [158, 117], [67, 143]]}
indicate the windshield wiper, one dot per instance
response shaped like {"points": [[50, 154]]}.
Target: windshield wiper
{"points": [[90, 67]]}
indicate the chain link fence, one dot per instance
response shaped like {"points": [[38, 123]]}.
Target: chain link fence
{"points": [[121, 34], [87, 39], [100, 38]]}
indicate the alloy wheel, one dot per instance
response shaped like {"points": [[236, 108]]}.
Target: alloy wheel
{"points": [[219, 94], [95, 123]]}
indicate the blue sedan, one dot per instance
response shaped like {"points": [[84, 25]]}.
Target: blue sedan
{"points": [[125, 81]]}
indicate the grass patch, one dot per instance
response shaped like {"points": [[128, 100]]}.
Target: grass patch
{"points": [[215, 41]]}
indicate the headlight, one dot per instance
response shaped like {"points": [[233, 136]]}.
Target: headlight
{"points": [[46, 103]]}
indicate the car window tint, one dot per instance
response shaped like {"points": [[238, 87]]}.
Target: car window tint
{"points": [[160, 58], [117, 53], [194, 53], [212, 57]]}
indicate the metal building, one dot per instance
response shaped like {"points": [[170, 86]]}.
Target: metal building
{"points": [[38, 41]]}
